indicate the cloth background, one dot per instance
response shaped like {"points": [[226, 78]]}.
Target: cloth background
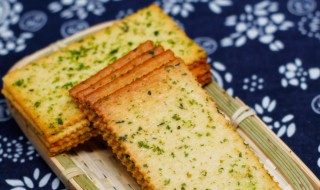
{"points": [[265, 52]]}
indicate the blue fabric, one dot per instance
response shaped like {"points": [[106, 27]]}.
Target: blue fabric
{"points": [[265, 52]]}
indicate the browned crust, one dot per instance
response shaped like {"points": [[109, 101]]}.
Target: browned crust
{"points": [[146, 46], [205, 79], [197, 63], [199, 69], [119, 72], [70, 143], [131, 76]]}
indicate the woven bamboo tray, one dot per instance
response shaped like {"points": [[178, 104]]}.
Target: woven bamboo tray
{"points": [[93, 166]]}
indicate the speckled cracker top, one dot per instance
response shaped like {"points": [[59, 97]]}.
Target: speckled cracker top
{"points": [[176, 137], [41, 88]]}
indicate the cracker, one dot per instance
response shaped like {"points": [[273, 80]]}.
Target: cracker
{"points": [[175, 137]]}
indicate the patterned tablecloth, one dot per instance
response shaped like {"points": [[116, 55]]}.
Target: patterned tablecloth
{"points": [[266, 52]]}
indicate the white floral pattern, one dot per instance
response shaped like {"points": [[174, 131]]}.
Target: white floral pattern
{"points": [[253, 83], [315, 104], [310, 25], [178, 7], [37, 181], [208, 44], [301, 7], [10, 11], [283, 126], [33, 21], [78, 8], [185, 7], [295, 75], [16, 150], [221, 76], [261, 22], [73, 26]]}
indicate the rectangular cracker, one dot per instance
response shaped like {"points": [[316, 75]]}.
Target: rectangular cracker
{"points": [[171, 135]]}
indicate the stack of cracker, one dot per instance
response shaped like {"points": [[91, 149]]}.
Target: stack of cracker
{"points": [[136, 64], [40, 90], [164, 127]]}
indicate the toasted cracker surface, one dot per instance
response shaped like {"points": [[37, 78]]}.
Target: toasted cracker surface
{"points": [[174, 136]]}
